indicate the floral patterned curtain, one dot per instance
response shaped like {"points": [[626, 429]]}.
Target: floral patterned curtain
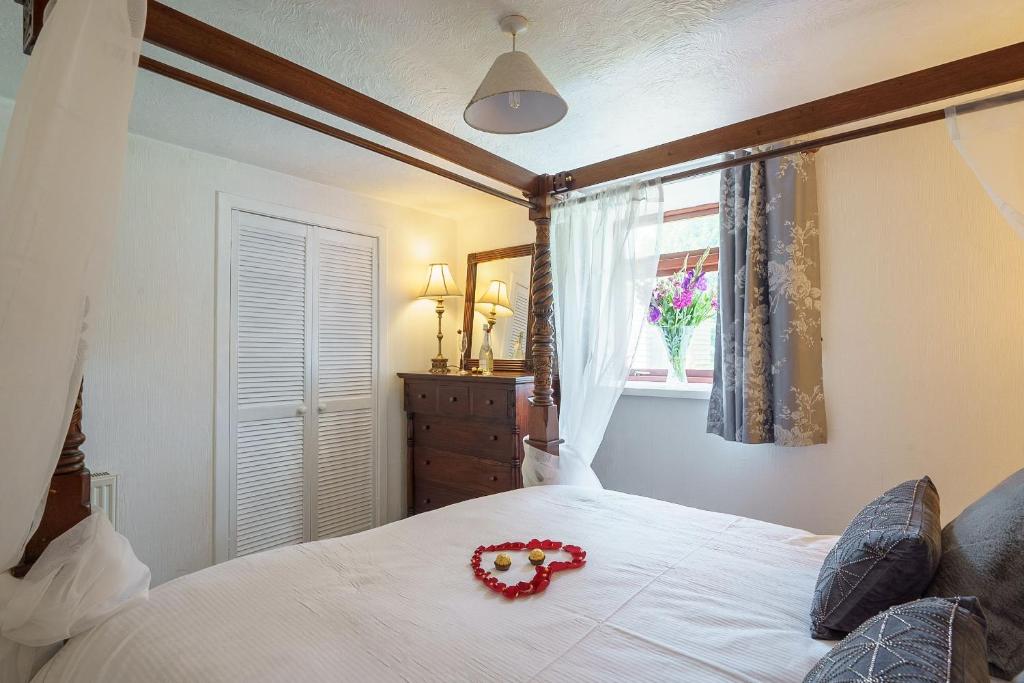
{"points": [[768, 380]]}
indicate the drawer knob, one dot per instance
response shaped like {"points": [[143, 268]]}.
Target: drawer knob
{"points": [[426, 501], [494, 478], [426, 462], [490, 401], [426, 428], [453, 399], [423, 395], [494, 437]]}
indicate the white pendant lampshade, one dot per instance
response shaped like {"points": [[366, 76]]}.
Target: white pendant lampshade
{"points": [[515, 97]]}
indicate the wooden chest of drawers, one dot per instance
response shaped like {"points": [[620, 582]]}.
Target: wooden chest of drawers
{"points": [[465, 436]]}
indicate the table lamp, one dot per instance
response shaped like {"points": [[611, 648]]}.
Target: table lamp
{"points": [[440, 286], [493, 303]]}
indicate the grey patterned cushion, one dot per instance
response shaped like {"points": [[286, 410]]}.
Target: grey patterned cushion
{"points": [[887, 556], [983, 555], [933, 639]]}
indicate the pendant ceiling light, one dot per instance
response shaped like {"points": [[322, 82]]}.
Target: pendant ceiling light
{"points": [[515, 97]]}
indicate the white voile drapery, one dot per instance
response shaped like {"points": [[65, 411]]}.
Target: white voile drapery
{"points": [[60, 186], [604, 255], [990, 137]]}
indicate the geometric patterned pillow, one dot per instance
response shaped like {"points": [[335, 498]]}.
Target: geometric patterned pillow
{"points": [[983, 555], [933, 639], [887, 556]]}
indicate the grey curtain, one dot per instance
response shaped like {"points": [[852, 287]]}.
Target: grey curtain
{"points": [[768, 384]]}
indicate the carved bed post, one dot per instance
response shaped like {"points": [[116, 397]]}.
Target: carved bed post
{"points": [[68, 501], [32, 22], [543, 415]]}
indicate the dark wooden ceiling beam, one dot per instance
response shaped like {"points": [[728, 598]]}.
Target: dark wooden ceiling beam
{"points": [[189, 37], [247, 100], [971, 74]]}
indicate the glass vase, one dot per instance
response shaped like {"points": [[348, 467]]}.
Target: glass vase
{"points": [[677, 343], [486, 353]]}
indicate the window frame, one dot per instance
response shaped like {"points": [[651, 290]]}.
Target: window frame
{"points": [[670, 264]]}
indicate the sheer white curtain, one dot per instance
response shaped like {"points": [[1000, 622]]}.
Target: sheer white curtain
{"points": [[990, 137], [604, 253], [60, 186]]}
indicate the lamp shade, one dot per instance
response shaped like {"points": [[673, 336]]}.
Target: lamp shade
{"points": [[440, 283], [515, 97], [494, 300]]}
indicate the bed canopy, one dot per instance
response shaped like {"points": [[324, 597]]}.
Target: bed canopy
{"points": [[167, 28]]}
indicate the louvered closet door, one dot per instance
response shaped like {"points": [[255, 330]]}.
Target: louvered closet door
{"points": [[270, 380], [345, 383]]}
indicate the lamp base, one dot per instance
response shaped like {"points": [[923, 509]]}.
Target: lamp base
{"points": [[439, 365]]}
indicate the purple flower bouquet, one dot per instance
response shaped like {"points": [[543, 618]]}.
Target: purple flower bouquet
{"points": [[679, 304]]}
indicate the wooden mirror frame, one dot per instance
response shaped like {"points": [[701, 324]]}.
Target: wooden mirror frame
{"points": [[500, 364]]}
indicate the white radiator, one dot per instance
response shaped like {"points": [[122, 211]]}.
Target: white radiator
{"points": [[104, 495]]}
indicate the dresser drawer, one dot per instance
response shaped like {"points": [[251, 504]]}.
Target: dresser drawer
{"points": [[453, 399], [490, 402], [482, 439], [464, 472], [420, 397], [430, 496]]}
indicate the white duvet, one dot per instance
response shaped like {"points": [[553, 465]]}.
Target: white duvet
{"points": [[669, 593]]}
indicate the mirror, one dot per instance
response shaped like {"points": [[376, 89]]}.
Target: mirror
{"points": [[498, 291]]}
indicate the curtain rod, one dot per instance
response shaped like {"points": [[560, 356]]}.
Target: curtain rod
{"points": [[214, 88], [847, 136]]}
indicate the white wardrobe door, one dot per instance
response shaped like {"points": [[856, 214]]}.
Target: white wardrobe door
{"points": [[270, 373], [345, 383]]}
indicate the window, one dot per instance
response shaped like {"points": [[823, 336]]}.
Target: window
{"points": [[691, 226]]}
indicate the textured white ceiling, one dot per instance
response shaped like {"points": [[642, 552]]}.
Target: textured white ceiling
{"points": [[635, 73]]}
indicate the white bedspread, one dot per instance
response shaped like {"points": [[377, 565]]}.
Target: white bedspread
{"points": [[669, 593]]}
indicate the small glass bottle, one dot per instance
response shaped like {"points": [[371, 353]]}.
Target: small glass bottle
{"points": [[486, 353]]}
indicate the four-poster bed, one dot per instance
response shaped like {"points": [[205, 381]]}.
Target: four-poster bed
{"points": [[172, 30], [720, 538]]}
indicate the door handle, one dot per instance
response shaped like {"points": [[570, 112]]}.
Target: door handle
{"points": [[301, 410], [321, 407]]}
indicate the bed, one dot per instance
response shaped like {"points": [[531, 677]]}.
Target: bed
{"points": [[668, 593]]}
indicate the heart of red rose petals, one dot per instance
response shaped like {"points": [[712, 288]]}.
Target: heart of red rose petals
{"points": [[542, 573]]}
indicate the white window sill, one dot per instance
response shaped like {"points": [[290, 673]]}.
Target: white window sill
{"points": [[699, 392]]}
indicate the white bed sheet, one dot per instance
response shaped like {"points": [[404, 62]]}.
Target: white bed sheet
{"points": [[669, 594]]}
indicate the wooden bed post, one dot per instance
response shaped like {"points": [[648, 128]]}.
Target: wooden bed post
{"points": [[543, 415], [32, 22], [68, 501]]}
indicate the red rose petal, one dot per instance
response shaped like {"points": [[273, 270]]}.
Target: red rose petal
{"points": [[542, 574]]}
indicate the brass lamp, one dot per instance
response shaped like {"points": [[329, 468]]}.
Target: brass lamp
{"points": [[494, 303], [440, 286]]}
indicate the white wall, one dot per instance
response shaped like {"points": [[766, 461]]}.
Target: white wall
{"points": [[923, 328], [924, 352], [149, 381]]}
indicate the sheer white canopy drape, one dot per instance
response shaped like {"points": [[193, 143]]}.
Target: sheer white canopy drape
{"points": [[990, 137], [60, 187], [604, 253]]}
